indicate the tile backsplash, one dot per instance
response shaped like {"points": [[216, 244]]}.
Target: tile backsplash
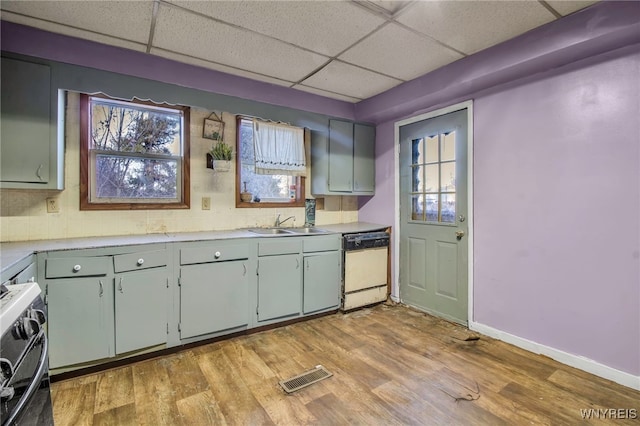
{"points": [[23, 213]]}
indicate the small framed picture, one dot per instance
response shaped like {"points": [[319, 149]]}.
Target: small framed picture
{"points": [[213, 129]]}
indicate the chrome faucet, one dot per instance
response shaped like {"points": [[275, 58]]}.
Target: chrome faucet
{"points": [[279, 222]]}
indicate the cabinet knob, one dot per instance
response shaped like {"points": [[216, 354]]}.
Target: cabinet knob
{"points": [[217, 255], [76, 268], [140, 261]]}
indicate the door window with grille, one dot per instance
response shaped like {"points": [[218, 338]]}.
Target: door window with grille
{"points": [[433, 178]]}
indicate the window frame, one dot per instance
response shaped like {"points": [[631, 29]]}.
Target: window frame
{"points": [[86, 156], [300, 180], [439, 192]]}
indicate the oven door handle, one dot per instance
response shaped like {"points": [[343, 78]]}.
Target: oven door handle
{"points": [[35, 383]]}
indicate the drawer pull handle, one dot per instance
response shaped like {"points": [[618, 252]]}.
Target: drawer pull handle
{"points": [[120, 286], [101, 288], [217, 255], [140, 261], [297, 264], [245, 269], [77, 268]]}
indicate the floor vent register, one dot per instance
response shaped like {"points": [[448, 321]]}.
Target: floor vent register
{"points": [[305, 379]]}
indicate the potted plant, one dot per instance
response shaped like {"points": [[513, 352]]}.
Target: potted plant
{"points": [[219, 158]]}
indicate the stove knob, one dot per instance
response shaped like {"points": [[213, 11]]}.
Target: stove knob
{"points": [[6, 370], [29, 327], [38, 315]]}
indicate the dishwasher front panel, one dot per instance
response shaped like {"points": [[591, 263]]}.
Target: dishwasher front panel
{"points": [[365, 268]]}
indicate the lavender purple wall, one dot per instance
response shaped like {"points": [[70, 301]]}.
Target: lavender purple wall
{"points": [[557, 202], [42, 44], [556, 196]]}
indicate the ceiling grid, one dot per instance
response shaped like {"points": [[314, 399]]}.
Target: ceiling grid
{"points": [[348, 50]]}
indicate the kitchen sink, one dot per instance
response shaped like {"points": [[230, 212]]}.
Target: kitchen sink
{"points": [[287, 231], [269, 231], [307, 230]]}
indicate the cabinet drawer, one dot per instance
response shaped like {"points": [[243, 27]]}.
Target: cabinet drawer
{"points": [[213, 253], [140, 260], [284, 245], [77, 267], [321, 243]]}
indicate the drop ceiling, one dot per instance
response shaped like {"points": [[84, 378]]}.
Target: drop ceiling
{"points": [[346, 50]]}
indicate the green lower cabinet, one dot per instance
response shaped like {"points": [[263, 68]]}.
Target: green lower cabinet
{"points": [[321, 281], [141, 309], [279, 286], [213, 297], [80, 320]]}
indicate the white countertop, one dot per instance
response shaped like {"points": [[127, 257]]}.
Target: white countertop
{"points": [[13, 252]]}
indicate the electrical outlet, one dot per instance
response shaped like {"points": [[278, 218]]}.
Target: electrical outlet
{"points": [[52, 205], [206, 203]]}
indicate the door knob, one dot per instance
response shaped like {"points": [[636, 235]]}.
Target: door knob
{"points": [[459, 235]]}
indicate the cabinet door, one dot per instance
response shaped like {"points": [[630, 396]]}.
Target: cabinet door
{"points": [[141, 309], [321, 281], [26, 112], [279, 286], [340, 156], [364, 165], [213, 297], [80, 323]]}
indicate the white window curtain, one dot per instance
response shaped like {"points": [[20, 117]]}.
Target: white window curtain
{"points": [[279, 149]]}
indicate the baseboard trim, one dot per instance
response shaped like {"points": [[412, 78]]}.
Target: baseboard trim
{"points": [[579, 362]]}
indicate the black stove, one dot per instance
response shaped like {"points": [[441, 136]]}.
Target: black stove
{"points": [[24, 374]]}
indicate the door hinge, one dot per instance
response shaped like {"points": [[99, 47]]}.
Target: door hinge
{"points": [[167, 328]]}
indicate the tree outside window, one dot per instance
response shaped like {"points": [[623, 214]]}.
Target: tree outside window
{"points": [[135, 155]]}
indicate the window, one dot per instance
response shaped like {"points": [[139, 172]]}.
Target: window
{"points": [[134, 155], [433, 183], [266, 190]]}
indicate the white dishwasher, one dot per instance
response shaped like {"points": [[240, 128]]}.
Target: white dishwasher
{"points": [[365, 269]]}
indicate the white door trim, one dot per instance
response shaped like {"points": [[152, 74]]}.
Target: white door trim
{"points": [[395, 291]]}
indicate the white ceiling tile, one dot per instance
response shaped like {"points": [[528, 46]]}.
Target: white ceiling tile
{"points": [[326, 94], [326, 27], [183, 32], [400, 53], [130, 20], [73, 32], [470, 26], [222, 68], [566, 7], [349, 80]]}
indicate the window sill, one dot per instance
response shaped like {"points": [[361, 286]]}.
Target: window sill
{"points": [[132, 206], [259, 205]]}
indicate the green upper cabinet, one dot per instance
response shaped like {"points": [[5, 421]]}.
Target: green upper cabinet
{"points": [[340, 156], [345, 163], [364, 162], [31, 157]]}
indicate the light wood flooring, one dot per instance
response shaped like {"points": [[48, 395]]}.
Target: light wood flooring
{"points": [[390, 364]]}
